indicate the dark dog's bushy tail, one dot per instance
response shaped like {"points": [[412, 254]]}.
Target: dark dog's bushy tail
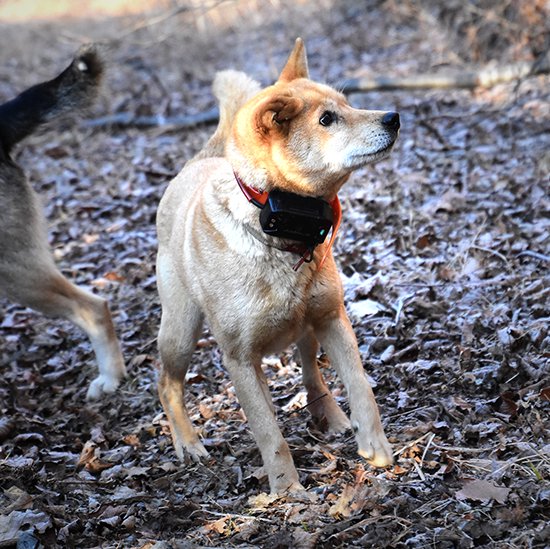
{"points": [[75, 88]]}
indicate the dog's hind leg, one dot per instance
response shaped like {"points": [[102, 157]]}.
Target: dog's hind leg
{"points": [[321, 404], [180, 328], [43, 288], [91, 314]]}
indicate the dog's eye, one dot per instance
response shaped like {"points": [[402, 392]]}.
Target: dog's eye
{"points": [[327, 118]]}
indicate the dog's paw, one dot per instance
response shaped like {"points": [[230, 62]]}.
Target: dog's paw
{"points": [[377, 452], [338, 422], [294, 489], [102, 385], [194, 450], [328, 416]]}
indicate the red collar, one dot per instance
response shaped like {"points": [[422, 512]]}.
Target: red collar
{"points": [[259, 199]]}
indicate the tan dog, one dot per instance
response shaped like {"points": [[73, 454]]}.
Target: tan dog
{"points": [[215, 263], [28, 274]]}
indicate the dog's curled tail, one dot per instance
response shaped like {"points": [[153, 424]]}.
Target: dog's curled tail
{"points": [[232, 89], [74, 89]]}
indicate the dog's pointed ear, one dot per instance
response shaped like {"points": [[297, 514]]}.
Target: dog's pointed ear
{"points": [[276, 110], [296, 66]]}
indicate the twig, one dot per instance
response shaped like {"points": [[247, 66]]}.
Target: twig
{"points": [[412, 347], [510, 463], [489, 251], [233, 516], [401, 414], [419, 470], [401, 303], [316, 438], [426, 448], [536, 255], [370, 520], [533, 387], [411, 444], [306, 405], [511, 280], [165, 16], [423, 513], [463, 449]]}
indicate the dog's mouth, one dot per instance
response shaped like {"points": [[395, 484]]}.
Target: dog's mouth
{"points": [[359, 160]]}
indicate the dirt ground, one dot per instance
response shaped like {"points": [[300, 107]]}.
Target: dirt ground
{"points": [[444, 251]]}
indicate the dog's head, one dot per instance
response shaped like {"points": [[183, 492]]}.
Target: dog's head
{"points": [[305, 137]]}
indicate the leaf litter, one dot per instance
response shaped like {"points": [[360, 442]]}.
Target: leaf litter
{"points": [[444, 251]]}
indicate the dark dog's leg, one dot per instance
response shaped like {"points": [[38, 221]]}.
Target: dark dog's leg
{"points": [[49, 292], [321, 403], [29, 276]]}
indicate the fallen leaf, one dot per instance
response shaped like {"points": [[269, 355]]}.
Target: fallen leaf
{"points": [[365, 307], [425, 240], [219, 526], [206, 411], [483, 490], [88, 454], [342, 508], [11, 525], [262, 501], [450, 201], [137, 472], [132, 440], [113, 277], [89, 459]]}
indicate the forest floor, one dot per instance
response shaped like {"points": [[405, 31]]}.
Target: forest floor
{"points": [[444, 253]]}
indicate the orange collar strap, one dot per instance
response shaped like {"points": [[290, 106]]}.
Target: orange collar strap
{"points": [[259, 199], [337, 211]]}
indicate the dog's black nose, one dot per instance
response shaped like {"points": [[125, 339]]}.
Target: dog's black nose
{"points": [[391, 120]]}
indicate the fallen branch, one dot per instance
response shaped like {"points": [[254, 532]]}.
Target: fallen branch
{"points": [[126, 119], [485, 77]]}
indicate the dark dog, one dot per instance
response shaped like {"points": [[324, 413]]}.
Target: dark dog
{"points": [[28, 274]]}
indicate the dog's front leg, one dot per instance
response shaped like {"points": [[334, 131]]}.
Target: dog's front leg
{"points": [[339, 342], [257, 405]]}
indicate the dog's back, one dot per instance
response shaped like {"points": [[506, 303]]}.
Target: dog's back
{"points": [[74, 89]]}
